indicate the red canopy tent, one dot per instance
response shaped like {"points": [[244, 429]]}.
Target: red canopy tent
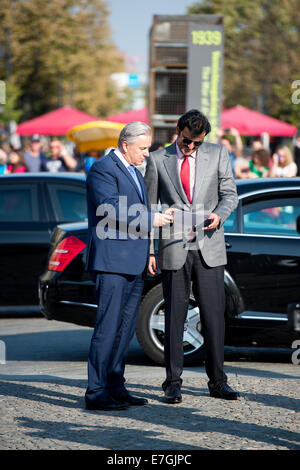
{"points": [[249, 122], [56, 122], [246, 121], [129, 116]]}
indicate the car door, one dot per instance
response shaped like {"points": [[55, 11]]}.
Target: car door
{"points": [[264, 255], [24, 241]]}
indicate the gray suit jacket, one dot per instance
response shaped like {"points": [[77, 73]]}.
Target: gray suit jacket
{"points": [[215, 191]]}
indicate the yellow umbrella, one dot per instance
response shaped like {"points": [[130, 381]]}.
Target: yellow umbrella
{"points": [[95, 135]]}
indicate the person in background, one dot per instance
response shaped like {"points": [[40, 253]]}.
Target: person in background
{"points": [[3, 162], [296, 142], [235, 151], [90, 158], [257, 167], [172, 140], [283, 163], [251, 144], [257, 145], [34, 157], [59, 159], [16, 163], [80, 159]]}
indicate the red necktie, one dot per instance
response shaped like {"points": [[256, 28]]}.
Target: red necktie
{"points": [[185, 177]]}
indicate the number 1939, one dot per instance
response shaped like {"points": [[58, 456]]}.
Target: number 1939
{"points": [[207, 38]]}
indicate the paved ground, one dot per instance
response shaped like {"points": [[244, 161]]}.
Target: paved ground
{"points": [[43, 381]]}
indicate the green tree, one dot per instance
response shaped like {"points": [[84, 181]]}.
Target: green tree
{"points": [[262, 53], [59, 52]]}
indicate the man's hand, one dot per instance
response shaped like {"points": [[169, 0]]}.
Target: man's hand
{"points": [[69, 160], [152, 265], [164, 218], [214, 221]]}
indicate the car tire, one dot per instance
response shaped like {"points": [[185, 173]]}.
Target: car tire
{"points": [[150, 329]]}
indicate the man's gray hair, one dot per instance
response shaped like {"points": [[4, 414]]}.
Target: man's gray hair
{"points": [[131, 131]]}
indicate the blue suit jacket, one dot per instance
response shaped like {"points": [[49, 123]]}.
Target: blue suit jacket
{"points": [[119, 219]]}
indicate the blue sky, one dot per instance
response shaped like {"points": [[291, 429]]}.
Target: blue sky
{"points": [[131, 20]]}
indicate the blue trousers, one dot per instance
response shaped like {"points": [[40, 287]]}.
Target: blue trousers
{"points": [[119, 297]]}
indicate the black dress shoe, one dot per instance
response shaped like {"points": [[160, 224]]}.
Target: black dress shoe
{"points": [[106, 404], [126, 397], [223, 391], [173, 394]]}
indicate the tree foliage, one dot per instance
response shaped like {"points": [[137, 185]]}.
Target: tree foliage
{"points": [[262, 53], [59, 52]]}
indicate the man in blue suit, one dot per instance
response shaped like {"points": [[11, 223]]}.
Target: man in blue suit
{"points": [[120, 222]]}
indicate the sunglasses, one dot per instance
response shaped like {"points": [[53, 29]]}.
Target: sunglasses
{"points": [[187, 141]]}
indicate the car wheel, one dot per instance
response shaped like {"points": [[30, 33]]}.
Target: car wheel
{"points": [[151, 327]]}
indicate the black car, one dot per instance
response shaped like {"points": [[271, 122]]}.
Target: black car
{"points": [[31, 205], [262, 277]]}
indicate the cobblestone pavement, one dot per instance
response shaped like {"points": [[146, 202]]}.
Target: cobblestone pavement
{"points": [[42, 407]]}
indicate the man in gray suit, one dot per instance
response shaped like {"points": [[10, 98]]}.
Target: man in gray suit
{"points": [[196, 178]]}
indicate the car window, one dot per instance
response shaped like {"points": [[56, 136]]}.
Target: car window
{"points": [[230, 224], [272, 217], [18, 203], [69, 203]]}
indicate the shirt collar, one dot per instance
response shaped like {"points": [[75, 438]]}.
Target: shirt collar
{"points": [[180, 154], [122, 158]]}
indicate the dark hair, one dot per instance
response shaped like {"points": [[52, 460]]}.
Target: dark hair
{"points": [[262, 155], [195, 121], [22, 161], [155, 146]]}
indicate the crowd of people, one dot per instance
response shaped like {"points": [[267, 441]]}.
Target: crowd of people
{"points": [[260, 163], [256, 162], [38, 156]]}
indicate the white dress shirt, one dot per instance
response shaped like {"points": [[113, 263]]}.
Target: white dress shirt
{"points": [[192, 163]]}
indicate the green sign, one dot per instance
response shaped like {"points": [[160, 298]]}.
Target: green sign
{"points": [[205, 72]]}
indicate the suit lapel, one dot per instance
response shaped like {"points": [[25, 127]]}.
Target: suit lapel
{"points": [[201, 168], [127, 174], [171, 165]]}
